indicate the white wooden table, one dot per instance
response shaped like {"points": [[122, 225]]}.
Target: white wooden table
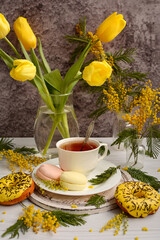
{"points": [[94, 222]]}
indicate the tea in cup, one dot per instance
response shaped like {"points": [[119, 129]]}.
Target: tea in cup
{"points": [[73, 156]]}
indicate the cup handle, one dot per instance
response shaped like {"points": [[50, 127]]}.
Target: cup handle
{"points": [[105, 151]]}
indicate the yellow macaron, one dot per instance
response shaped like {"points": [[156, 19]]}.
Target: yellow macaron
{"points": [[73, 181]]}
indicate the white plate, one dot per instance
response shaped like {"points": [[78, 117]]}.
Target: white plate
{"points": [[101, 167]]}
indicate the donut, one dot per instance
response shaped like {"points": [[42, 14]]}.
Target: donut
{"points": [[137, 198], [73, 181], [15, 187], [48, 172]]}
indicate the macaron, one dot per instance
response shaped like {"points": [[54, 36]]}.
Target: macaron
{"points": [[73, 181], [48, 172]]}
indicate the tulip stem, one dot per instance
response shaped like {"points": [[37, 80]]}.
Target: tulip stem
{"points": [[11, 45], [50, 137]]}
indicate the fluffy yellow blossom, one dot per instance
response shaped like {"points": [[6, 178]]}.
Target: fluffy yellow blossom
{"points": [[97, 48], [144, 229], [4, 212], [2, 220], [116, 222], [158, 170], [19, 160], [73, 206], [79, 30], [39, 219], [91, 186], [125, 168], [110, 60], [116, 98], [146, 106], [75, 238], [90, 230]]}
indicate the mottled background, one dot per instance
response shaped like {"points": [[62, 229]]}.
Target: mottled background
{"points": [[52, 20]]}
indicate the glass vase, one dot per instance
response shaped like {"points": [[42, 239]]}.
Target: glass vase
{"points": [[135, 154], [51, 126], [118, 125]]}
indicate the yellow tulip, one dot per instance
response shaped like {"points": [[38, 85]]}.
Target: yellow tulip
{"points": [[24, 33], [111, 27], [23, 70], [96, 73], [4, 26]]}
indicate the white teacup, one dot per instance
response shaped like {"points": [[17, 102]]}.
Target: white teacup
{"points": [[71, 159]]}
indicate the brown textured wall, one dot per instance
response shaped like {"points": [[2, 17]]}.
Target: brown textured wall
{"points": [[51, 20]]}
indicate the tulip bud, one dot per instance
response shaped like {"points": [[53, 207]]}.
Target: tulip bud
{"points": [[4, 26], [111, 27], [24, 33], [96, 73], [23, 70]]}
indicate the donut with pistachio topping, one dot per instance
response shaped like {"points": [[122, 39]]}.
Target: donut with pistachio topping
{"points": [[15, 187], [137, 198]]}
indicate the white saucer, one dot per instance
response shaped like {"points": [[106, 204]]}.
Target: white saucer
{"points": [[101, 167]]}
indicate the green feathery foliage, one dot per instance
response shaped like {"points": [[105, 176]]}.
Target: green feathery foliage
{"points": [[128, 137], [15, 228], [144, 177], [7, 144], [25, 150], [100, 178], [65, 219], [96, 200], [124, 55]]}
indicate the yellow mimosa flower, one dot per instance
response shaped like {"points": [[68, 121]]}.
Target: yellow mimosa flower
{"points": [[23, 70], [111, 27], [4, 26], [96, 73], [24, 33]]}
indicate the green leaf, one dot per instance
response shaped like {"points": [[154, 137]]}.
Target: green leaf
{"points": [[44, 92], [72, 72], [44, 61], [75, 39], [24, 51], [75, 80], [77, 51], [6, 58], [36, 63], [7, 62], [102, 149], [54, 78]]}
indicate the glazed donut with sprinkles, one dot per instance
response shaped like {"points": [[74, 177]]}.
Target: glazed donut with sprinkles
{"points": [[137, 198], [15, 187]]}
